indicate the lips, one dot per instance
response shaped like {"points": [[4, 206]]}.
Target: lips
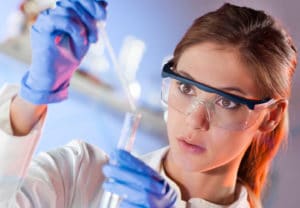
{"points": [[188, 146]]}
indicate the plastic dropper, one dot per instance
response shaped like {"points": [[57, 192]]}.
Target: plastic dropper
{"points": [[117, 67]]}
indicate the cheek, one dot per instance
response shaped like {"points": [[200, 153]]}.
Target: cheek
{"points": [[235, 141], [227, 145], [173, 124]]}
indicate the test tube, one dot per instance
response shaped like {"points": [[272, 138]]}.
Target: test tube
{"points": [[130, 125], [126, 141]]}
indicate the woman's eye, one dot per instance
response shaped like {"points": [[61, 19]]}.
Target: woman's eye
{"points": [[226, 103], [186, 88]]}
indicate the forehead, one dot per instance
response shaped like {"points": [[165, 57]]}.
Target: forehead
{"points": [[218, 66]]}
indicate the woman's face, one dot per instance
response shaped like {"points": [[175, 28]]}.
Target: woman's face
{"points": [[195, 144]]}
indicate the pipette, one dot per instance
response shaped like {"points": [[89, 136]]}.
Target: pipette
{"points": [[119, 72]]}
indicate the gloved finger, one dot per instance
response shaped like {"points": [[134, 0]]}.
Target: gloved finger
{"points": [[64, 8], [127, 204], [137, 198], [96, 8], [42, 23], [135, 179], [60, 19], [63, 26], [128, 193], [125, 159], [171, 195], [69, 33]]}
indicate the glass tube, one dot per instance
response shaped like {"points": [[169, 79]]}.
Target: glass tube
{"points": [[120, 74], [126, 141]]}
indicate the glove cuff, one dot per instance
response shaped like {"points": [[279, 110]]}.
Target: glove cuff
{"points": [[42, 96]]}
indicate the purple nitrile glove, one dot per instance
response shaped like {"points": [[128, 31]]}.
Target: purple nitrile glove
{"points": [[136, 183], [60, 38]]}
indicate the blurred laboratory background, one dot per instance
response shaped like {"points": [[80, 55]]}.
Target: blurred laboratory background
{"points": [[143, 35]]}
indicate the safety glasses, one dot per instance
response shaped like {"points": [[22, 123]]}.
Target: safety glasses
{"points": [[222, 109]]}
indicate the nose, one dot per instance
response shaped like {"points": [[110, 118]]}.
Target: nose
{"points": [[198, 117]]}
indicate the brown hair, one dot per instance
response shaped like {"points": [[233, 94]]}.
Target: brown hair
{"points": [[268, 51]]}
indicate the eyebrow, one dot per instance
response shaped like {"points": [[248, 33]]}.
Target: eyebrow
{"points": [[187, 75]]}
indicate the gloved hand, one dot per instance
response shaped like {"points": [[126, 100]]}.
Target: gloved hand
{"points": [[137, 184], [59, 40]]}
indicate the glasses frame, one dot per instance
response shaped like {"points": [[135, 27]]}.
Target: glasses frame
{"points": [[250, 103]]}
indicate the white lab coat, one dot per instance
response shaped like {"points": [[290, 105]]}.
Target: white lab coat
{"points": [[69, 176]]}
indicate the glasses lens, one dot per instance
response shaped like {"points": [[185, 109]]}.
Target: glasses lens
{"points": [[175, 94], [230, 115], [222, 112]]}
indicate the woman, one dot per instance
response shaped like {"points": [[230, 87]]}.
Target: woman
{"points": [[226, 90], [244, 52]]}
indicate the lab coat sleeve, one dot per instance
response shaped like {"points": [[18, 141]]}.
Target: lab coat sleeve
{"points": [[15, 152], [69, 176]]}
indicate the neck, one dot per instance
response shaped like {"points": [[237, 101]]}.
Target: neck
{"points": [[216, 186]]}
